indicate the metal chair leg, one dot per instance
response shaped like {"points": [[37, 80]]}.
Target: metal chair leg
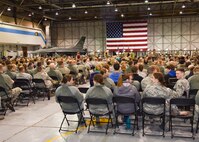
{"points": [[78, 124], [90, 124], [143, 117], [62, 123], [108, 123], [197, 126]]}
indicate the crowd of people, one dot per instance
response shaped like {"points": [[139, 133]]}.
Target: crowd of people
{"points": [[120, 75]]}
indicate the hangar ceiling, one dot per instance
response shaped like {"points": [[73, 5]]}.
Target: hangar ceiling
{"points": [[84, 10]]}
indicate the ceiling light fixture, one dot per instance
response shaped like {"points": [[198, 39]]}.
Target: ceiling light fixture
{"points": [[29, 14], [180, 12], [40, 7], [45, 19], [146, 1], [183, 6], [8, 9], [95, 17], [86, 12], [122, 15], [108, 2], [150, 14], [73, 5], [116, 10], [148, 8], [56, 13], [69, 18]]}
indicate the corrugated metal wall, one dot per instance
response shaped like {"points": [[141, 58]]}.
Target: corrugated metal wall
{"points": [[173, 33], [163, 34], [68, 34]]}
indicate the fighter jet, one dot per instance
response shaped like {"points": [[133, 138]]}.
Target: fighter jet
{"points": [[77, 48]]}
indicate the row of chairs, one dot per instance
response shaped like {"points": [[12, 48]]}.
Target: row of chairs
{"points": [[183, 103], [30, 91]]}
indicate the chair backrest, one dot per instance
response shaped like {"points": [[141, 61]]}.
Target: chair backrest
{"points": [[193, 92], [83, 89], [22, 83], [67, 100], [123, 100], [172, 80], [2, 89], [39, 83], [96, 101], [182, 102], [54, 78], [3, 92], [153, 100]]}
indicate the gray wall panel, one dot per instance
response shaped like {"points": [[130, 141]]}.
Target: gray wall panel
{"points": [[163, 34]]}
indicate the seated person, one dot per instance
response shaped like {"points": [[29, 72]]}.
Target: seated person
{"points": [[23, 75], [127, 90], [41, 74], [64, 70], [194, 80], [141, 71], [12, 71], [196, 107], [158, 89], [54, 72], [68, 89], [182, 85], [7, 83], [148, 80], [116, 73], [136, 76], [170, 73], [96, 71], [99, 90], [108, 82]]}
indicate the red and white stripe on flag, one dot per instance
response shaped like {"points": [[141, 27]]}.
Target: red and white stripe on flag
{"points": [[134, 37]]}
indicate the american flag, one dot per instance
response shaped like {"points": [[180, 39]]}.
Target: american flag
{"points": [[126, 36]]}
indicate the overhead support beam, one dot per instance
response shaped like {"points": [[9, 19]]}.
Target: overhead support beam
{"points": [[119, 5], [21, 21], [26, 9], [21, 2], [14, 13], [2, 11], [40, 22]]}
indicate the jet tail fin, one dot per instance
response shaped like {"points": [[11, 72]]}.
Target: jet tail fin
{"points": [[80, 43]]}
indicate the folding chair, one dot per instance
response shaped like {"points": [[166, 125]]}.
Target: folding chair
{"points": [[153, 101], [193, 93], [183, 103], [56, 80], [40, 88], [5, 101], [97, 102], [70, 100], [172, 82], [83, 89], [27, 92], [120, 100]]}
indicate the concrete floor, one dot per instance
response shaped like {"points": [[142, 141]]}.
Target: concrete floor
{"points": [[40, 123]]}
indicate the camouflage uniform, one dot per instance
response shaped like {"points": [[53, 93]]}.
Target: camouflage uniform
{"points": [[157, 90], [194, 81], [182, 86], [146, 81]]}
